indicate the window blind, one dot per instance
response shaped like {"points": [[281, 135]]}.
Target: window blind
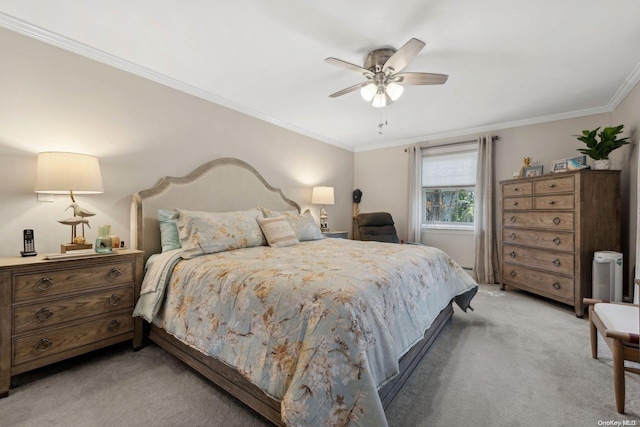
{"points": [[456, 169]]}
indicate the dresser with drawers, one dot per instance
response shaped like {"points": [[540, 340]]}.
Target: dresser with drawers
{"points": [[552, 225], [53, 310]]}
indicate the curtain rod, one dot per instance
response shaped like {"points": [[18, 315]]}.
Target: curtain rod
{"points": [[493, 138]]}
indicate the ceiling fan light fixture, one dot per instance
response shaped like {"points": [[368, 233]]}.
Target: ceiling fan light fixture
{"points": [[394, 90], [368, 92], [380, 98], [385, 80]]}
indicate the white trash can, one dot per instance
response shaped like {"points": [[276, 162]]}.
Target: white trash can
{"points": [[607, 276]]}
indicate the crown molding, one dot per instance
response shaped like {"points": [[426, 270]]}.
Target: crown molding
{"points": [[32, 31], [627, 86], [484, 129]]}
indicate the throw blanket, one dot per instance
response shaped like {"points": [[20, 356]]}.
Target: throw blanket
{"points": [[319, 326]]}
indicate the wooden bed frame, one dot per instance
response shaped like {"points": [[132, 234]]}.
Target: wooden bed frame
{"points": [[229, 185]]}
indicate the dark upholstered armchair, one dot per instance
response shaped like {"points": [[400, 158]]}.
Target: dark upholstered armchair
{"points": [[377, 226]]}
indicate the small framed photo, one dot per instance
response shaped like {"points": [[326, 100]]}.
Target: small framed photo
{"points": [[569, 164], [579, 159], [532, 171], [559, 166], [575, 163]]}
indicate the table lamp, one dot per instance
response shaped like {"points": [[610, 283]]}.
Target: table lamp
{"points": [[62, 173], [323, 196]]}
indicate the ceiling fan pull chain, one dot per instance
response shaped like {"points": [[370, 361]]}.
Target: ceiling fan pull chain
{"points": [[383, 122]]}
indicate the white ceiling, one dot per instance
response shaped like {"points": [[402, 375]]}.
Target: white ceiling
{"points": [[510, 62]]}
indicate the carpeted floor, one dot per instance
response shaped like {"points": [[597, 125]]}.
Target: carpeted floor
{"points": [[518, 360]]}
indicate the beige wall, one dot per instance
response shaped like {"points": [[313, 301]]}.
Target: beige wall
{"points": [[53, 100], [628, 113], [382, 174]]}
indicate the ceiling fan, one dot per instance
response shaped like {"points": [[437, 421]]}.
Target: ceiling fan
{"points": [[385, 83]]}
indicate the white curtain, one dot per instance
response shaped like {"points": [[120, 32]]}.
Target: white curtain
{"points": [[485, 267], [414, 220]]}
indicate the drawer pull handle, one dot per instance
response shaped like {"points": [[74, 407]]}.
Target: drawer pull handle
{"points": [[516, 189], [556, 220], [512, 254], [552, 186], [512, 273], [515, 203], [44, 314], [113, 325], [551, 202], [114, 273], [512, 236], [114, 299], [556, 240], [512, 219], [556, 262], [43, 345], [44, 284], [556, 285]]}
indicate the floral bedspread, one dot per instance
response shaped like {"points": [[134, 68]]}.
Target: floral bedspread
{"points": [[319, 326]]}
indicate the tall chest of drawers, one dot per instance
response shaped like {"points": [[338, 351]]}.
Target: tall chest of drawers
{"points": [[53, 310], [552, 225]]}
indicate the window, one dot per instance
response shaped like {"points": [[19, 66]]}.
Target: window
{"points": [[448, 185]]}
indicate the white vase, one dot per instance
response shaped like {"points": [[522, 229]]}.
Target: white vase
{"points": [[602, 164]]}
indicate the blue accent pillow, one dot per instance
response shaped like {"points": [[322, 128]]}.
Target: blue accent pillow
{"points": [[169, 237]]}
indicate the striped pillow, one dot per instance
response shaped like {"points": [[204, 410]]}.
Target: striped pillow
{"points": [[278, 231]]}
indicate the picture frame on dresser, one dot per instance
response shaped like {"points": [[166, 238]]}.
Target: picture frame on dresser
{"points": [[559, 166], [532, 171], [570, 163]]}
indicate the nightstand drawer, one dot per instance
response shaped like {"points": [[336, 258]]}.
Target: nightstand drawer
{"points": [[51, 342], [54, 312], [53, 282]]}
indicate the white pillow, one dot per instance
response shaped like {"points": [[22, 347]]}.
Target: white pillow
{"points": [[278, 231], [303, 225]]}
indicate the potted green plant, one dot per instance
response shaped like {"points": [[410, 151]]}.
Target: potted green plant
{"points": [[599, 150]]}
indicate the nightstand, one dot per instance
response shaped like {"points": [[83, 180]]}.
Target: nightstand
{"points": [[336, 234], [51, 310]]}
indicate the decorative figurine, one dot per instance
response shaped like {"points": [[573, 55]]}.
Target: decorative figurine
{"points": [[79, 217], [82, 213], [73, 222], [527, 163]]}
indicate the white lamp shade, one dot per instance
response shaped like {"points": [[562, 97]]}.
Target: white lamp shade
{"points": [[60, 173], [380, 100], [368, 92], [394, 90], [322, 196]]}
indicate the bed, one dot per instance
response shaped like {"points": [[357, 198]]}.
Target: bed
{"points": [[320, 332]]}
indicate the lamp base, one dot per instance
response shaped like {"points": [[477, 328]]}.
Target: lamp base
{"points": [[74, 247]]}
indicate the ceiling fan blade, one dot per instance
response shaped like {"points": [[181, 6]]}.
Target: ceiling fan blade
{"points": [[404, 55], [420, 79], [348, 90], [349, 66]]}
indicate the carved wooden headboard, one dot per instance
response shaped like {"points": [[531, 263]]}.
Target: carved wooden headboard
{"points": [[221, 185]]}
